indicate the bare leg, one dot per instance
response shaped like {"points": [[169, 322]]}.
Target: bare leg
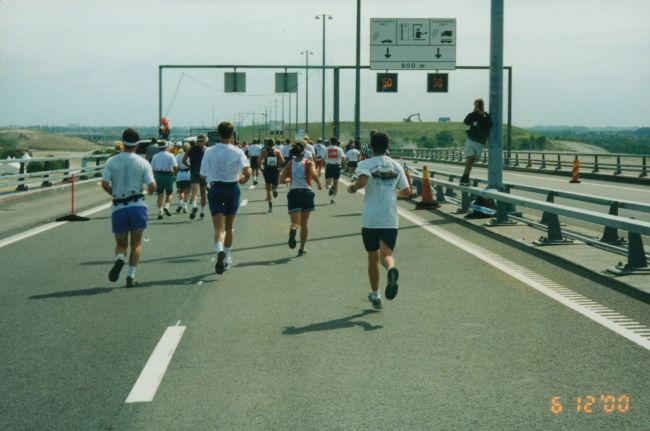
{"points": [[304, 229], [217, 223], [230, 221], [469, 162], [204, 196], [295, 220], [373, 270], [386, 255], [136, 247], [121, 243]]}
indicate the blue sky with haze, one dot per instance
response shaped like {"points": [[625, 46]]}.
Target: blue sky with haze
{"points": [[576, 62]]}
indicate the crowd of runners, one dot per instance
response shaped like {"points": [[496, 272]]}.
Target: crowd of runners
{"points": [[209, 174]]}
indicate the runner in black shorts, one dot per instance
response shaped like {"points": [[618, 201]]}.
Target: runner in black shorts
{"points": [[192, 159], [271, 161], [300, 198]]}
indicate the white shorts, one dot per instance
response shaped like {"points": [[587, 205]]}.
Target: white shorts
{"points": [[473, 148]]}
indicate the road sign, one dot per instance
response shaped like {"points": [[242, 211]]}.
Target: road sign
{"points": [[286, 82], [234, 82], [387, 83], [437, 82], [413, 43]]}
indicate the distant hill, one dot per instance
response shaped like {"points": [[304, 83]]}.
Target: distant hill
{"points": [[35, 140]]}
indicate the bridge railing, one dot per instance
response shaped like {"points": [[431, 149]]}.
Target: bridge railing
{"points": [[506, 212], [614, 164], [54, 170]]}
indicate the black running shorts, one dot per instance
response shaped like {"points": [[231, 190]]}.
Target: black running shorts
{"points": [[300, 200], [332, 171], [371, 238], [271, 176]]}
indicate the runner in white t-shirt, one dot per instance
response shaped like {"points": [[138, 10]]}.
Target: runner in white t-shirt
{"points": [[183, 181], [333, 157], [319, 156], [381, 176], [353, 159], [254, 152]]}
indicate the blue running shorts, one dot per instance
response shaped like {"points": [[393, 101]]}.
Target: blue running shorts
{"points": [[129, 218], [223, 198]]}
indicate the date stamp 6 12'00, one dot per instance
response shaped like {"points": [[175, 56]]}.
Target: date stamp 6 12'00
{"points": [[591, 404]]}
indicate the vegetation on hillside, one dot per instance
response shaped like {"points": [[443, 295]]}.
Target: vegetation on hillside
{"points": [[36, 140], [614, 140]]}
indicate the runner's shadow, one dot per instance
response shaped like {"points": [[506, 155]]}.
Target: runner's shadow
{"points": [[329, 325], [264, 262], [247, 214], [177, 281], [347, 215], [73, 293]]}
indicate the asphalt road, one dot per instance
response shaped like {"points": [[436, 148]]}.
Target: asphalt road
{"points": [[285, 342]]}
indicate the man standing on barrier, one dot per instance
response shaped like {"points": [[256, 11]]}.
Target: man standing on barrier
{"points": [[479, 123], [381, 176], [224, 166], [123, 177]]}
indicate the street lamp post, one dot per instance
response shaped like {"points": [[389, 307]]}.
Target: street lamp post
{"points": [[322, 125], [307, 54]]}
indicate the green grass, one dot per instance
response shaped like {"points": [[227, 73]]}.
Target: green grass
{"points": [[35, 140]]}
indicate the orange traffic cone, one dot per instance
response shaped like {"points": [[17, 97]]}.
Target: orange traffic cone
{"points": [[427, 201], [575, 171]]}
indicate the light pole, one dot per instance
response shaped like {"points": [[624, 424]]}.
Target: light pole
{"points": [[322, 124], [307, 54]]}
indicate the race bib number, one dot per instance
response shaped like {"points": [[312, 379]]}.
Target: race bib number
{"points": [[271, 161]]}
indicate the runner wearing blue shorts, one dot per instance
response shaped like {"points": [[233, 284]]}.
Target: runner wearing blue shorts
{"points": [[122, 178], [224, 167]]}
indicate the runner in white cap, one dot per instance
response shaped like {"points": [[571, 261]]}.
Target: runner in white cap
{"points": [[254, 152], [122, 178]]}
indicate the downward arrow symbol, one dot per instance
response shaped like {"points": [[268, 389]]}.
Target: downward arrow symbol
{"points": [[438, 53], [387, 55]]}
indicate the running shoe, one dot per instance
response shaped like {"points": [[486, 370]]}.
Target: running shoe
{"points": [[114, 273], [292, 238], [270, 210], [219, 267], [226, 266], [331, 192], [179, 209], [465, 181], [275, 193], [333, 200], [254, 182], [167, 213], [391, 287], [302, 252], [130, 282], [184, 210], [160, 216], [193, 213], [375, 301], [202, 215]]}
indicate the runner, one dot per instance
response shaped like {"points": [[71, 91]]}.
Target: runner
{"points": [[319, 155], [382, 175], [192, 159], [333, 159], [164, 167], [183, 181], [286, 150], [122, 178], [223, 166], [254, 152], [353, 158], [271, 161], [300, 197]]}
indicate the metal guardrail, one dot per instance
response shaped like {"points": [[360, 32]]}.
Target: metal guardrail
{"points": [[82, 167], [615, 164], [505, 209]]}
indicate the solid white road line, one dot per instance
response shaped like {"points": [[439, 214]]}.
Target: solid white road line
{"points": [[147, 384], [40, 229]]}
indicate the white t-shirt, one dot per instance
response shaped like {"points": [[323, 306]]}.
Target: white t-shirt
{"points": [[255, 150], [223, 162], [127, 172], [333, 155], [320, 151], [309, 151], [353, 155], [286, 149], [163, 161], [380, 203]]}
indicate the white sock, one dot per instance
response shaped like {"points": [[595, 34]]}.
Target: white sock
{"points": [[227, 251], [131, 272], [194, 204], [218, 246], [159, 210], [202, 209], [167, 205], [119, 256], [375, 294]]}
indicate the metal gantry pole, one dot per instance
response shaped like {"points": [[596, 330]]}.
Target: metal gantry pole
{"points": [[357, 90], [495, 151], [160, 69], [322, 123]]}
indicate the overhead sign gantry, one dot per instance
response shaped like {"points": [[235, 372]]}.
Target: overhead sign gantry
{"points": [[413, 43]]}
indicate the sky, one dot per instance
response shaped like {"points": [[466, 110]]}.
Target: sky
{"points": [[95, 63]]}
